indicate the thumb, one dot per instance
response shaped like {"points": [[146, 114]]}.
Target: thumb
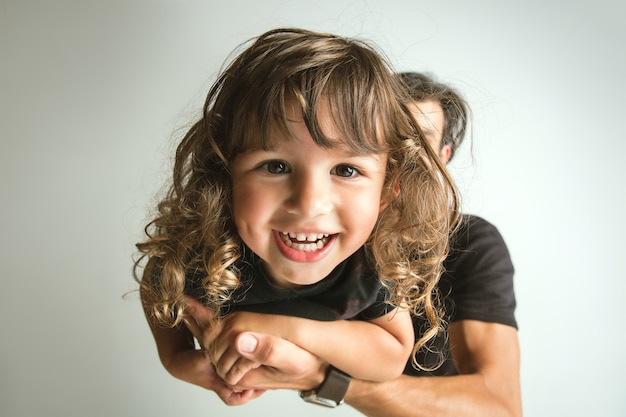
{"points": [[246, 344], [267, 349]]}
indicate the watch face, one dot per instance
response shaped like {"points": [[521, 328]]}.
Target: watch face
{"points": [[312, 397], [332, 390]]}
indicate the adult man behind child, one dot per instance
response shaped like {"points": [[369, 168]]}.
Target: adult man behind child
{"points": [[480, 375]]}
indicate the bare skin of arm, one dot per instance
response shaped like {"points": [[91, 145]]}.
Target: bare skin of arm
{"points": [[392, 334], [182, 360], [487, 355], [488, 359], [267, 361]]}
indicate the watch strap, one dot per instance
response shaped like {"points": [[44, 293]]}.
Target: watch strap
{"points": [[334, 386], [331, 391]]}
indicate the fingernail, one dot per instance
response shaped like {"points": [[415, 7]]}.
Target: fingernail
{"points": [[247, 343]]}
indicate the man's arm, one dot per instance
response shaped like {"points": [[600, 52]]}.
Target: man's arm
{"points": [[487, 356]]}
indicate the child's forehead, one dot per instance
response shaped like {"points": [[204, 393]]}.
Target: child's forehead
{"points": [[328, 123], [280, 134]]}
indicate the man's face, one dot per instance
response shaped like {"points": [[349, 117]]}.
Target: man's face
{"points": [[429, 116]]}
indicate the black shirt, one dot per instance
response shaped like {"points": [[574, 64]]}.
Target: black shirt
{"points": [[477, 285], [351, 291]]}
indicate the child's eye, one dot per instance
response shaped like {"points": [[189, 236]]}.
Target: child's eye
{"points": [[346, 171], [275, 167]]}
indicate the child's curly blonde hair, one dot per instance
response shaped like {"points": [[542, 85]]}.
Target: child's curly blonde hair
{"points": [[194, 231]]}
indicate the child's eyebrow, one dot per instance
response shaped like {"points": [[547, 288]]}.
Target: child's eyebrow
{"points": [[351, 153]]}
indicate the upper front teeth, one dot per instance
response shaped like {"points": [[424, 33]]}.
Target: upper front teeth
{"points": [[310, 237]]}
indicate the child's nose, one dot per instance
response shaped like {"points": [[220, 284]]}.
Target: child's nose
{"points": [[311, 197]]}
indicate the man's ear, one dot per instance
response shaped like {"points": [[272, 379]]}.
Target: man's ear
{"points": [[445, 153]]}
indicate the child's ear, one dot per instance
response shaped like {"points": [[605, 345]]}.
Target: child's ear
{"points": [[389, 194]]}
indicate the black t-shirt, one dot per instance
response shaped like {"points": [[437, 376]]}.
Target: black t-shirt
{"points": [[351, 291], [477, 285]]}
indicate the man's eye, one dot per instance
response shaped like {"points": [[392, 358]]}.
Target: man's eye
{"points": [[346, 171], [276, 167]]}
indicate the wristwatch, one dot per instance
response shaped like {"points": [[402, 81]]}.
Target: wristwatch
{"points": [[331, 391]]}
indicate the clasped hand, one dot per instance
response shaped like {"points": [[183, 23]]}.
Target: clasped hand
{"points": [[248, 354]]}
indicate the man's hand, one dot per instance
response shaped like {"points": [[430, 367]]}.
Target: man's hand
{"points": [[280, 364], [253, 360], [195, 366]]}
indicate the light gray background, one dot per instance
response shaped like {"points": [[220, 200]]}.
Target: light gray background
{"points": [[94, 94]]}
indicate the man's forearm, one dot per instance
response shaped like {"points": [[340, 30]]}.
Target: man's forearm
{"points": [[406, 396]]}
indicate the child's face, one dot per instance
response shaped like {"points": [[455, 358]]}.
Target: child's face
{"points": [[304, 209]]}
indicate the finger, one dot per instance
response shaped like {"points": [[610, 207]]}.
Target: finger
{"points": [[205, 335], [232, 397], [238, 370], [221, 348], [284, 364], [193, 327], [200, 321], [200, 313], [251, 394], [269, 350], [228, 362]]}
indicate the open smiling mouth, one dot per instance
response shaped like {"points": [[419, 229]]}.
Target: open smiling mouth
{"points": [[305, 242]]}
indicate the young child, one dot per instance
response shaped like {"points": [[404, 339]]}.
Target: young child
{"points": [[307, 191]]}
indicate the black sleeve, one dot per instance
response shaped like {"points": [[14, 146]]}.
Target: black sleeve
{"points": [[479, 275]]}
